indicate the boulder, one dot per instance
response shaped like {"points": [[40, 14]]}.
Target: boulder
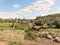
{"points": [[57, 39], [49, 36], [53, 34]]}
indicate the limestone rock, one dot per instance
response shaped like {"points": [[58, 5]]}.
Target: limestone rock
{"points": [[49, 36], [57, 39], [53, 34]]}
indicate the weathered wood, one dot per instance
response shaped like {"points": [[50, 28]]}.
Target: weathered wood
{"points": [[14, 23]]}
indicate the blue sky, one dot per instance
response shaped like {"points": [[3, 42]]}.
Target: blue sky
{"points": [[28, 9]]}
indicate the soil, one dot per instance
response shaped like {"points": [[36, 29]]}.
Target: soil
{"points": [[17, 38]]}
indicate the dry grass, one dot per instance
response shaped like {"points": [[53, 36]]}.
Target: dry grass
{"points": [[11, 36], [4, 43], [16, 37]]}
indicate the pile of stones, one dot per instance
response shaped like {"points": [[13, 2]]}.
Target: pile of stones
{"points": [[52, 36]]}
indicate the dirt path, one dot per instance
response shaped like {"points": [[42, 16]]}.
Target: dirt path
{"points": [[4, 43]]}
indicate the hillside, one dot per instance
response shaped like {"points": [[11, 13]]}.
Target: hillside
{"points": [[53, 19], [40, 31], [49, 17]]}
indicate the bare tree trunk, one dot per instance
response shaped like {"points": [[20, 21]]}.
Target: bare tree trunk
{"points": [[14, 23]]}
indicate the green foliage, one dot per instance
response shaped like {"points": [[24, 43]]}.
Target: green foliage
{"points": [[57, 23], [30, 34], [38, 23], [29, 29], [21, 26], [41, 34], [52, 20], [5, 26]]}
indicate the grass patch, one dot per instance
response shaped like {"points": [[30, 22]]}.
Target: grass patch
{"points": [[7, 26], [21, 27], [53, 30]]}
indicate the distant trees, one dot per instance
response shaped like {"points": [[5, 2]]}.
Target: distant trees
{"points": [[38, 23], [1, 20], [57, 23], [52, 21]]}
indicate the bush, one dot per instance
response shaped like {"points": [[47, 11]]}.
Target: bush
{"points": [[38, 23], [29, 29], [57, 23], [30, 34]]}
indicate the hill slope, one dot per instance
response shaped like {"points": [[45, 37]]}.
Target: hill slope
{"points": [[53, 19]]}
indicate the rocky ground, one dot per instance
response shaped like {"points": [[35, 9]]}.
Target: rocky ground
{"points": [[16, 37]]}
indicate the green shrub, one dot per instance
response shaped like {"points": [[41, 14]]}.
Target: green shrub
{"points": [[30, 34], [29, 29], [38, 23]]}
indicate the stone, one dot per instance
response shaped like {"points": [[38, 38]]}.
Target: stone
{"points": [[49, 36], [57, 39], [53, 34]]}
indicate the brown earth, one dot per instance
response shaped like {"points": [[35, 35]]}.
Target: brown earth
{"points": [[16, 37]]}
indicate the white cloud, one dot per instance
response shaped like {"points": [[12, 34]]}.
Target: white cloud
{"points": [[3, 14], [16, 6], [42, 5], [7, 15]]}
